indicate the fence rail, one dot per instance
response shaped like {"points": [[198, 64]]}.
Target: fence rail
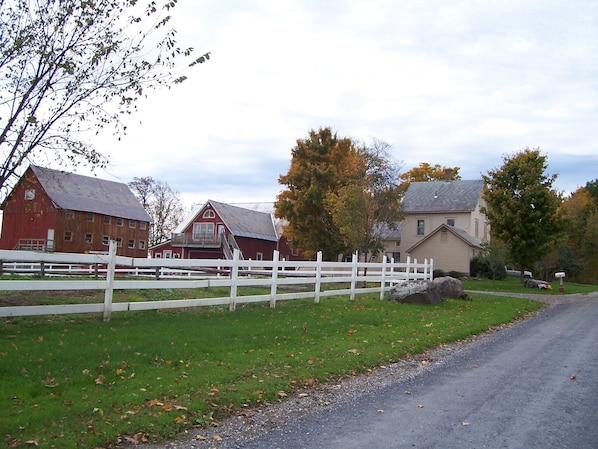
{"points": [[112, 272]]}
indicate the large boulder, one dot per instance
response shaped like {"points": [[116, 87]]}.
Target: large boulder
{"points": [[450, 287], [415, 292]]}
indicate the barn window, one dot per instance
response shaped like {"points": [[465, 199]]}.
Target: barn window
{"points": [[132, 224], [106, 219], [119, 222], [88, 238], [89, 216], [259, 256], [131, 243], [209, 214], [69, 214], [29, 194], [141, 244], [106, 240], [142, 225], [68, 236]]}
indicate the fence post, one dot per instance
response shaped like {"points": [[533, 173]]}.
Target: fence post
{"points": [[234, 276], [109, 280], [318, 277], [415, 271], [383, 280], [426, 277], [353, 274], [275, 257], [431, 269], [407, 267]]}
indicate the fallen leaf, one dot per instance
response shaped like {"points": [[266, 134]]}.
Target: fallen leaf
{"points": [[282, 394], [573, 377], [380, 410], [32, 442], [217, 438], [200, 438], [420, 405], [407, 392], [354, 351], [464, 423]]}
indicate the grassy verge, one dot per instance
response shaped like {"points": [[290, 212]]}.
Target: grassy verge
{"points": [[514, 285], [75, 382]]}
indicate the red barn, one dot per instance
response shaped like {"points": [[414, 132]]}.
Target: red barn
{"points": [[51, 210], [216, 229]]}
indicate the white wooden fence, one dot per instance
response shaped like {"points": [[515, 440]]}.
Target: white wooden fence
{"points": [[135, 273]]}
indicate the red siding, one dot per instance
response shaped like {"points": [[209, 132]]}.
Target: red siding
{"points": [[32, 218]]}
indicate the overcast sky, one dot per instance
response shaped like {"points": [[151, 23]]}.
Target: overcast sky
{"points": [[456, 83]]}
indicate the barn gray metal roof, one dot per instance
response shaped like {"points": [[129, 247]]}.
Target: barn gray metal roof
{"points": [[442, 196], [87, 194], [244, 222]]}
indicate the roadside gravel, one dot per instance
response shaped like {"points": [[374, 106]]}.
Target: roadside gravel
{"points": [[253, 422]]}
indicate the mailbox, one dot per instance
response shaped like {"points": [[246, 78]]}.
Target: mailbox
{"points": [[559, 274]]}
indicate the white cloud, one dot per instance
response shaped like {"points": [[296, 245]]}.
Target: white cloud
{"points": [[456, 83]]}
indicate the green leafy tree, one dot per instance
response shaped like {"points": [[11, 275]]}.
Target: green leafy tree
{"points": [[365, 208], [161, 203], [523, 208], [592, 188], [320, 165], [70, 67]]}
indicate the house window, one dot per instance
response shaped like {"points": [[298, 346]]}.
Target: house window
{"points": [[132, 224], [421, 227], [158, 255], [167, 254], [131, 243], [177, 255], [209, 214], [259, 256], [68, 236], [477, 228], [450, 221], [141, 244], [89, 216], [119, 222], [119, 242], [106, 219], [88, 238], [69, 214], [142, 225], [203, 230], [106, 240], [29, 194]]}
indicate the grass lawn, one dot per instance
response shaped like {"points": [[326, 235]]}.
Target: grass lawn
{"points": [[514, 285], [79, 382]]}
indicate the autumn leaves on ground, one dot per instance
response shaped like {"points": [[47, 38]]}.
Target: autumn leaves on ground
{"points": [[74, 382]]}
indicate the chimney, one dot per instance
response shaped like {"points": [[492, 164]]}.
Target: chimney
{"points": [[448, 175]]}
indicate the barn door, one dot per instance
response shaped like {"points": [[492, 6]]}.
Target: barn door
{"points": [[50, 240]]}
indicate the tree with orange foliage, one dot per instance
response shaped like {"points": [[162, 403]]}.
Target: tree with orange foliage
{"points": [[320, 165], [427, 172], [581, 214]]}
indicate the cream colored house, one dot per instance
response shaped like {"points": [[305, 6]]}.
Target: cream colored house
{"points": [[443, 221]]}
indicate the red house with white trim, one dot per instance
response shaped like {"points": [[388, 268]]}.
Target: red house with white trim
{"points": [[215, 229]]}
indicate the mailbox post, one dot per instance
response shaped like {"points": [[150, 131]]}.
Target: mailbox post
{"points": [[560, 275]]}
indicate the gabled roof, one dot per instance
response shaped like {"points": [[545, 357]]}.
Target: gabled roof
{"points": [[460, 233], [242, 222], [87, 194], [442, 196]]}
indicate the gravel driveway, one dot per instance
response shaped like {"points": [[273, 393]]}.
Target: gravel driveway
{"points": [[530, 385]]}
